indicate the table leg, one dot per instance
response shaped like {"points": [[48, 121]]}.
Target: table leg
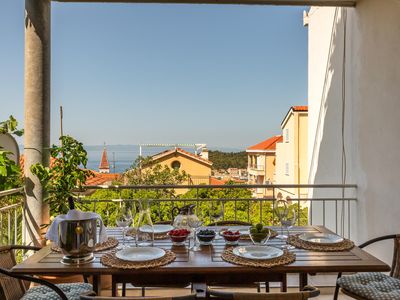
{"points": [[114, 287], [97, 284], [303, 280]]}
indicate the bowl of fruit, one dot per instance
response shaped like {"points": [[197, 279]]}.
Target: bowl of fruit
{"points": [[231, 237], [178, 236], [259, 234], [206, 236]]}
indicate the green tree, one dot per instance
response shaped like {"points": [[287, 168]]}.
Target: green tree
{"points": [[65, 174]]}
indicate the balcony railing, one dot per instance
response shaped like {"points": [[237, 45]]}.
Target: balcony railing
{"points": [[256, 167], [332, 210], [12, 217], [330, 205]]}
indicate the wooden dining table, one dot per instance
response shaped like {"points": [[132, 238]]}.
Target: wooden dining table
{"points": [[206, 266]]}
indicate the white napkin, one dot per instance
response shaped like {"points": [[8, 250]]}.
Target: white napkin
{"points": [[73, 214]]}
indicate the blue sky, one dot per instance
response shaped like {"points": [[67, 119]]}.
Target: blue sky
{"points": [[149, 73]]}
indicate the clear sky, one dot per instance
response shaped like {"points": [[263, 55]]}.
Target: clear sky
{"points": [[150, 73]]}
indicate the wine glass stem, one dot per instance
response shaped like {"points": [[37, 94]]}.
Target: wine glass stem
{"points": [[123, 237]]}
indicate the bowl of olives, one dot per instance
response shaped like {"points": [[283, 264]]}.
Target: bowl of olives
{"points": [[259, 234], [206, 236]]}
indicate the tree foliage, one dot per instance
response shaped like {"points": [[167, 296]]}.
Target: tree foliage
{"points": [[64, 175], [10, 172], [226, 160]]}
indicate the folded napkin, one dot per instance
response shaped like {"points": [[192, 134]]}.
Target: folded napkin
{"points": [[74, 214]]}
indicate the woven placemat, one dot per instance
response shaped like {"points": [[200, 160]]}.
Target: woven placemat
{"points": [[286, 258], [346, 245], [108, 244], [110, 260], [162, 236]]}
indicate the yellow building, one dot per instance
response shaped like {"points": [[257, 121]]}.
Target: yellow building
{"points": [[198, 167], [291, 152], [261, 165]]}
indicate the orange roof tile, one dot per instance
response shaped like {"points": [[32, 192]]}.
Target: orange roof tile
{"points": [[22, 162], [101, 178], [216, 181], [267, 145], [300, 108]]}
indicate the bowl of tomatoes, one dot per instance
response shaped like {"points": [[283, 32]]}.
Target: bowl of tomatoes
{"points": [[231, 237], [178, 236]]}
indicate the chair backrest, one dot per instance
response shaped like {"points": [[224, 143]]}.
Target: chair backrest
{"points": [[12, 288], [395, 271], [188, 297], [308, 292]]}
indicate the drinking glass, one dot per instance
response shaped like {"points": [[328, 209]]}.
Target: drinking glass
{"points": [[195, 223], [144, 226], [288, 222], [123, 219], [281, 210], [216, 215]]}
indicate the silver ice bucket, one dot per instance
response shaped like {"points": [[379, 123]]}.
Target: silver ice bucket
{"points": [[77, 240]]}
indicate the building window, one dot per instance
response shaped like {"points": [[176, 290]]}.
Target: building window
{"points": [[176, 165], [287, 169], [287, 135]]}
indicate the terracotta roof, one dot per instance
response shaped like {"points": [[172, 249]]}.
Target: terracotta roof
{"points": [[22, 162], [300, 108], [267, 145], [101, 178], [216, 181], [104, 160], [179, 150]]}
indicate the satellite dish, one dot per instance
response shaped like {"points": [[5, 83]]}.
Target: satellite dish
{"points": [[8, 143]]}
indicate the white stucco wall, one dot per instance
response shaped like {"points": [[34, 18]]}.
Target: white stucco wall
{"points": [[372, 119]]}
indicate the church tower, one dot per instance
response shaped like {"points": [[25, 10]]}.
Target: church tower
{"points": [[104, 166]]}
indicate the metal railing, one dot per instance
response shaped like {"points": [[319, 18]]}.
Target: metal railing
{"points": [[256, 167], [325, 207], [12, 217]]}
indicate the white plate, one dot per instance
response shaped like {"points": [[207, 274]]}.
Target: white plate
{"points": [[158, 229], [257, 252], [140, 253], [321, 238]]}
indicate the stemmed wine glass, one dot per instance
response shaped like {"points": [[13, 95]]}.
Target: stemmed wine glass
{"points": [[217, 214], [123, 218], [288, 222], [281, 210], [195, 222]]}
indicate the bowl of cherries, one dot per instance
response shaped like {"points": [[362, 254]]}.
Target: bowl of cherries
{"points": [[231, 237], [178, 236]]}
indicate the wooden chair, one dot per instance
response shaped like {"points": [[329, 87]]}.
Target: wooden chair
{"points": [[308, 292], [356, 286], [13, 286], [91, 297]]}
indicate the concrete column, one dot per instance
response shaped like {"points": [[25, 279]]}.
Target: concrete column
{"points": [[37, 109]]}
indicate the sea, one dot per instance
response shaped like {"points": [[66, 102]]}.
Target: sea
{"points": [[122, 157]]}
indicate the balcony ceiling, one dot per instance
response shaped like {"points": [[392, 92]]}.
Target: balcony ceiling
{"points": [[259, 2]]}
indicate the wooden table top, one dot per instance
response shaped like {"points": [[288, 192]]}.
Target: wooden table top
{"points": [[208, 261]]}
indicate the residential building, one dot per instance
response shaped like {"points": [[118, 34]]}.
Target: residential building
{"points": [[261, 164], [291, 152], [198, 167]]}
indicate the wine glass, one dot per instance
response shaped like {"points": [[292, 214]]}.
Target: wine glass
{"points": [[288, 222], [281, 210], [123, 219], [195, 222]]}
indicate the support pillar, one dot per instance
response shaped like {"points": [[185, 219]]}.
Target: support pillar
{"points": [[37, 110]]}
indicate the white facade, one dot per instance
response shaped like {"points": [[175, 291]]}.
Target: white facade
{"points": [[371, 122]]}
